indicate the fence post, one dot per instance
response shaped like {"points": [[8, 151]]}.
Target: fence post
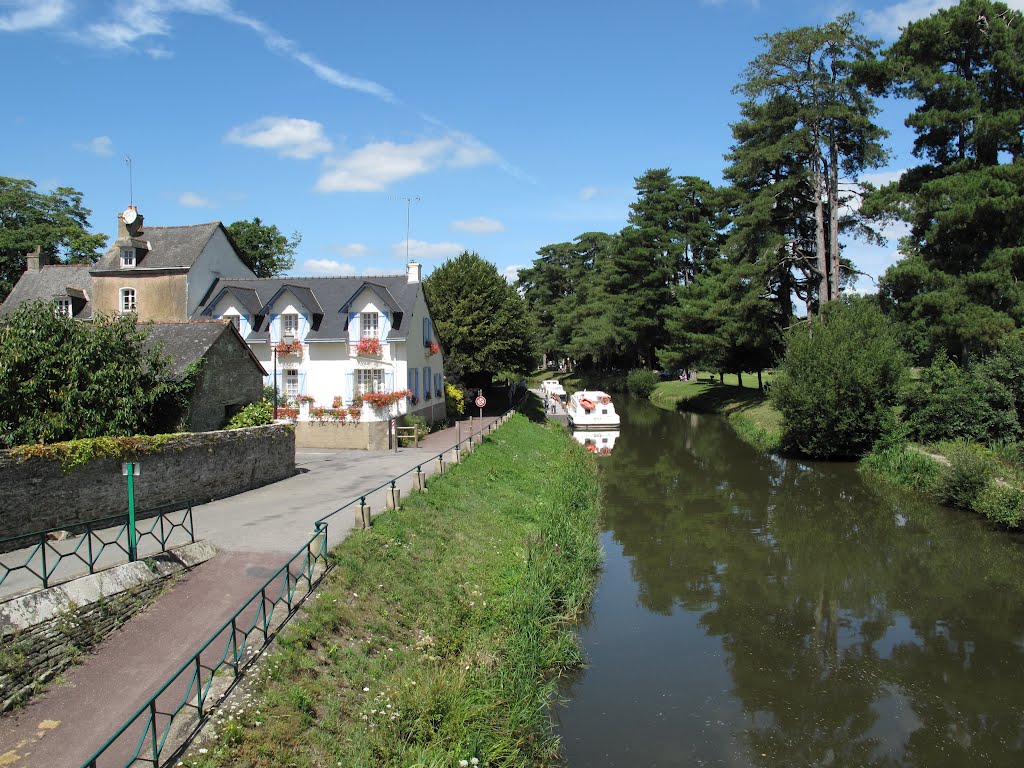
{"points": [[364, 518], [394, 497], [420, 480], [440, 465]]}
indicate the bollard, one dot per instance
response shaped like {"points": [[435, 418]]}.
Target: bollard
{"points": [[393, 499], [363, 514], [440, 465], [456, 454], [316, 546], [421, 480]]}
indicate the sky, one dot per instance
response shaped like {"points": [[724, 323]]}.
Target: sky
{"points": [[466, 126]]}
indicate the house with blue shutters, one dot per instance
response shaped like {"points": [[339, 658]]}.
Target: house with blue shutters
{"points": [[334, 340]]}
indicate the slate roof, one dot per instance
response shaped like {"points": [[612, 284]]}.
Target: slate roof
{"points": [[168, 247], [330, 296], [51, 282], [184, 343]]}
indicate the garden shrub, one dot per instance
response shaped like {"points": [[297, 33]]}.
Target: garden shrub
{"points": [[1001, 503], [641, 382], [970, 470], [454, 401], [252, 415], [951, 403], [838, 381]]}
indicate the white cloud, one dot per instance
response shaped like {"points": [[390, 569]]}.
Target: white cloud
{"points": [[511, 273], [327, 267], [589, 193], [290, 136], [349, 250], [32, 14], [193, 200], [480, 224], [418, 249], [101, 145], [887, 22], [159, 53], [376, 165]]}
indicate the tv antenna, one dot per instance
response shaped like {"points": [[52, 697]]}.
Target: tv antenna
{"points": [[408, 219], [131, 183]]}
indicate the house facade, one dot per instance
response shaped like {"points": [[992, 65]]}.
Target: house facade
{"points": [[330, 342]]}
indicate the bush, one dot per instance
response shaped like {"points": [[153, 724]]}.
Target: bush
{"points": [[838, 381], [454, 401], [252, 415], [412, 420], [970, 470], [641, 382], [1001, 503], [950, 403]]}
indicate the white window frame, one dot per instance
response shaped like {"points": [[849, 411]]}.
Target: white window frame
{"points": [[235, 320], [369, 380], [64, 307], [369, 325], [127, 301], [127, 258], [290, 325], [291, 383]]}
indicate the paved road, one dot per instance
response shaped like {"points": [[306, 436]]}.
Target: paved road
{"points": [[256, 532]]}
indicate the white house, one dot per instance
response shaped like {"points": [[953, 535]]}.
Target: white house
{"points": [[336, 339]]}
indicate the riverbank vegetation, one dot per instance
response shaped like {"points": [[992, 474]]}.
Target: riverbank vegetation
{"points": [[442, 631]]}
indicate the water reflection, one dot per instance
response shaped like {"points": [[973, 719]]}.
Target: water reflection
{"points": [[600, 442], [759, 611]]}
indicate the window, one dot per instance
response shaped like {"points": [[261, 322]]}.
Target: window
{"points": [[369, 380], [368, 325], [437, 384], [426, 382], [64, 308], [127, 303], [291, 382], [235, 321], [289, 325], [127, 258]]}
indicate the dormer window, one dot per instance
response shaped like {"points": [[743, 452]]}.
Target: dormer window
{"points": [[127, 258], [289, 326], [64, 308], [368, 325], [127, 302]]}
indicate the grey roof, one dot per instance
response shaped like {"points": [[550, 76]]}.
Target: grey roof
{"points": [[52, 282], [332, 296], [168, 247], [184, 343]]}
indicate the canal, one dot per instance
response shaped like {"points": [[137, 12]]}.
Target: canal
{"points": [[756, 611]]}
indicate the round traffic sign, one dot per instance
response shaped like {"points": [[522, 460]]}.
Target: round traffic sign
{"points": [[480, 401]]}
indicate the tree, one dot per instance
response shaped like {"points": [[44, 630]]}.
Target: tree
{"points": [[263, 247], [56, 221], [961, 281], [482, 321], [820, 116], [62, 379], [838, 381]]}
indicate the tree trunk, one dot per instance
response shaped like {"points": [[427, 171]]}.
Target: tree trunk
{"points": [[739, 377], [821, 257], [721, 378], [760, 384], [833, 215]]}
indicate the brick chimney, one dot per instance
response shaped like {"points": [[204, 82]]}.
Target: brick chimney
{"points": [[36, 260], [415, 271]]}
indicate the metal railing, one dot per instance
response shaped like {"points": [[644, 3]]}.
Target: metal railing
{"points": [[176, 712], [44, 557], [162, 729]]}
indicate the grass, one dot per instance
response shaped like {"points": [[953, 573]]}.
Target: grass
{"points": [[748, 410], [441, 632]]}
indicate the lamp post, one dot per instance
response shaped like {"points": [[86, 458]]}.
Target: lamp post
{"points": [[273, 350]]}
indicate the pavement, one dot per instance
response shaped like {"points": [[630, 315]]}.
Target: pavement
{"points": [[255, 532]]}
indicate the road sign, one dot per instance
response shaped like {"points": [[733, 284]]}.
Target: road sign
{"points": [[480, 401]]}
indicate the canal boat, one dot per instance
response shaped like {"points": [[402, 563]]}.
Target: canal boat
{"points": [[598, 442], [591, 409], [553, 390]]}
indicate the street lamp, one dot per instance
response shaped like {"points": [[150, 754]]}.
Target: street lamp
{"points": [[273, 350]]}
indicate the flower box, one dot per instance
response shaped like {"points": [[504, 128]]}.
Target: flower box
{"points": [[283, 348], [368, 347]]}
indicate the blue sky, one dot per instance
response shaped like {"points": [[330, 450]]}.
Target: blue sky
{"points": [[509, 127]]}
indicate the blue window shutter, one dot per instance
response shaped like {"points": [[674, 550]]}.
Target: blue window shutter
{"points": [[425, 330], [302, 382], [416, 382], [389, 381], [353, 326], [349, 387], [430, 329]]}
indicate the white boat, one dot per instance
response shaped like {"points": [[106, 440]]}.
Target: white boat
{"points": [[592, 409], [553, 390], [598, 442]]}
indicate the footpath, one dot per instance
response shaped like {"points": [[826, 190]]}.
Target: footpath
{"points": [[255, 533]]}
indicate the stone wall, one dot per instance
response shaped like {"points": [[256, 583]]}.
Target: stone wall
{"points": [[230, 379], [366, 435], [38, 494], [30, 658]]}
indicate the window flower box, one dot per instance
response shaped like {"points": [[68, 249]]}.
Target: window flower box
{"points": [[433, 348], [305, 399], [368, 347], [283, 348], [384, 400]]}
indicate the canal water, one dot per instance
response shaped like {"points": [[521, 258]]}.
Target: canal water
{"points": [[756, 611]]}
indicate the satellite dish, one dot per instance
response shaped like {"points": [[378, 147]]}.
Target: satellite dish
{"points": [[130, 215]]}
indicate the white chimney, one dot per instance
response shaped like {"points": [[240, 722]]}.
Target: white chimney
{"points": [[415, 271]]}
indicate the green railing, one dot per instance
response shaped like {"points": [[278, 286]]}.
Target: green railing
{"points": [[44, 558], [174, 714], [162, 729]]}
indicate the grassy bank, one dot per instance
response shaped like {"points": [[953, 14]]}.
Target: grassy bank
{"points": [[441, 632], [747, 408], [962, 475]]}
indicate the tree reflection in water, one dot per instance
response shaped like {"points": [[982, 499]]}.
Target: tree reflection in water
{"points": [[857, 626]]}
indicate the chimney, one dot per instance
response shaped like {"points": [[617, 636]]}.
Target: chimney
{"points": [[415, 271], [129, 223], [36, 260]]}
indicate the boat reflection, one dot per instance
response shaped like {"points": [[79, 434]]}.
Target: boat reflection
{"points": [[600, 442]]}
